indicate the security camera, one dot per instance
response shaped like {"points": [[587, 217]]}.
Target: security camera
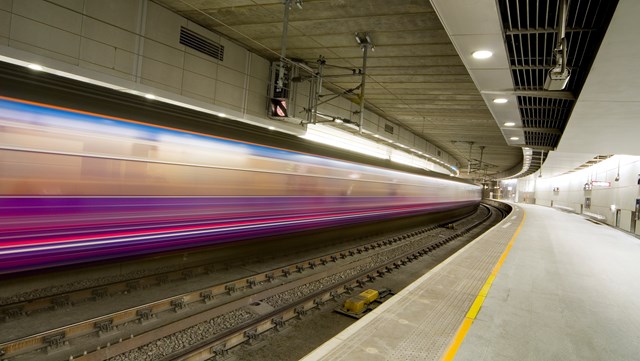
{"points": [[557, 79]]}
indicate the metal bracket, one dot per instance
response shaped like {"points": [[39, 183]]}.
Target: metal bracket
{"points": [[104, 326]]}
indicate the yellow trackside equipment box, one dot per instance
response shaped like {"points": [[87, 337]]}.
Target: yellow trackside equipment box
{"points": [[370, 295], [358, 306], [360, 302], [355, 304]]}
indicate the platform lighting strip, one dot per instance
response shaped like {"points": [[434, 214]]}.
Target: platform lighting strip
{"points": [[344, 140]]}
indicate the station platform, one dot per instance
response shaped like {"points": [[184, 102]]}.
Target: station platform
{"points": [[541, 285]]}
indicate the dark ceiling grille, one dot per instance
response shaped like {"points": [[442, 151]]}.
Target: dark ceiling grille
{"points": [[530, 28], [539, 112], [198, 42], [531, 34], [540, 139]]}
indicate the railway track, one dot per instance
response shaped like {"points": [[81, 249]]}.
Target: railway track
{"points": [[235, 312]]}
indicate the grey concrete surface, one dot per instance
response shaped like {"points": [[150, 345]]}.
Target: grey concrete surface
{"points": [[567, 291]]}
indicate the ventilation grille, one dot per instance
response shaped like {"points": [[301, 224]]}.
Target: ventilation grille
{"points": [[199, 43], [531, 35], [530, 29], [540, 139], [538, 112]]}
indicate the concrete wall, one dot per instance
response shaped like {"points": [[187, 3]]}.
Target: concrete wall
{"points": [[570, 194], [134, 45]]}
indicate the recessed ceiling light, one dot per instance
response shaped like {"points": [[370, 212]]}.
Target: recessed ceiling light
{"points": [[500, 100], [514, 138], [35, 67], [482, 54], [149, 96], [509, 124]]}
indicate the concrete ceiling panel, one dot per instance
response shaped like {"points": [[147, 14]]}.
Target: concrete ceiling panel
{"points": [[468, 44], [415, 76], [469, 16], [493, 79]]}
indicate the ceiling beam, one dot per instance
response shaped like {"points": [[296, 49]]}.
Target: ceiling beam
{"points": [[546, 94], [542, 30], [543, 130]]}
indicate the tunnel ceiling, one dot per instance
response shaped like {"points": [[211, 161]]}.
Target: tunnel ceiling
{"points": [[530, 28], [415, 76]]}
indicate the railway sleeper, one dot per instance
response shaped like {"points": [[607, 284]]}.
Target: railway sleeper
{"points": [[207, 296], [278, 322], [334, 294], [188, 274], [145, 315], [251, 336], [270, 277], [61, 301], [104, 327], [179, 305], [219, 352], [300, 311], [230, 288], [55, 342], [99, 293], [14, 311], [133, 285]]}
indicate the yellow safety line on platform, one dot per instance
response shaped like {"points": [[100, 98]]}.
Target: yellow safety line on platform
{"points": [[477, 303]]}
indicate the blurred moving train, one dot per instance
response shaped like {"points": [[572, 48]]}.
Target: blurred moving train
{"points": [[78, 187]]}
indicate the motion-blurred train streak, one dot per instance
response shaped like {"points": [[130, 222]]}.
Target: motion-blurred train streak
{"points": [[78, 187]]}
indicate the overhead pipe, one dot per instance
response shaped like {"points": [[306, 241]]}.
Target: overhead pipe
{"points": [[365, 44], [283, 39], [561, 45]]}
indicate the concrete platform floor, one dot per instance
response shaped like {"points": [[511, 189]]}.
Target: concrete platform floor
{"points": [[546, 286], [569, 290]]}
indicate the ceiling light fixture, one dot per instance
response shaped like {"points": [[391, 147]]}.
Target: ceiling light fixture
{"points": [[222, 115], [482, 54], [150, 96], [500, 100], [509, 124], [514, 138], [35, 67]]}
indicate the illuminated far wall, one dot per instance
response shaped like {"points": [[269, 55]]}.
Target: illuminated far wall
{"points": [[592, 191]]}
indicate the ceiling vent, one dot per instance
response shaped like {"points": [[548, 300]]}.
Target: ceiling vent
{"points": [[388, 128], [199, 43]]}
